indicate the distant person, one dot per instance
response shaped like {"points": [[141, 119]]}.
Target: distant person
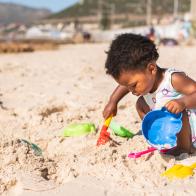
{"points": [[186, 29], [132, 62], [86, 36], [151, 35]]}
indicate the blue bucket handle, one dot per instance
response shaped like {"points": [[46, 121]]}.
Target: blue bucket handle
{"points": [[179, 115]]}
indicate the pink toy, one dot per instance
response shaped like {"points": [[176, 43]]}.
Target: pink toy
{"points": [[139, 154]]}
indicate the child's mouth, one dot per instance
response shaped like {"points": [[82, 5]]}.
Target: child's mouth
{"points": [[136, 94]]}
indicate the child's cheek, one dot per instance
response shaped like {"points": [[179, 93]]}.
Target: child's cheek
{"points": [[146, 88]]}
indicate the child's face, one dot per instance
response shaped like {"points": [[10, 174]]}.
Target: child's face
{"points": [[139, 82]]}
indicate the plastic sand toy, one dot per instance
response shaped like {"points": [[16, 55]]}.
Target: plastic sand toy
{"points": [[120, 130], [179, 171], [37, 150], [104, 136], [78, 129], [160, 127], [139, 154]]}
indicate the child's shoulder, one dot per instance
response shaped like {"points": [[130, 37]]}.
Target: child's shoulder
{"points": [[177, 78], [180, 81]]}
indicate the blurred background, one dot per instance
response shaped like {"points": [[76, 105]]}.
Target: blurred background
{"points": [[35, 25]]}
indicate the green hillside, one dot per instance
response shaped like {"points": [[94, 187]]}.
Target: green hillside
{"points": [[91, 7]]}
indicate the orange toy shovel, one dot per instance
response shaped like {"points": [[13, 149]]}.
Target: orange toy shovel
{"points": [[104, 136]]}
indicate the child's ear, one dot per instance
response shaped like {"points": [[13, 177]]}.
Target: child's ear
{"points": [[152, 68]]}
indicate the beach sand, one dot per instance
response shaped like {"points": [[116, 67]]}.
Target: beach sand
{"points": [[44, 91]]}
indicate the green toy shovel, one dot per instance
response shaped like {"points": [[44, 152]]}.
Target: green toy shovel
{"points": [[120, 130], [78, 129]]}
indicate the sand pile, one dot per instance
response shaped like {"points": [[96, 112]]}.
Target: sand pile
{"points": [[17, 156]]}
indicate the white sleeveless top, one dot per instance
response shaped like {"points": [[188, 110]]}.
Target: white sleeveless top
{"points": [[164, 93]]}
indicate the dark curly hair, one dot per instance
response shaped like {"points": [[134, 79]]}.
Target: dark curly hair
{"points": [[129, 52]]}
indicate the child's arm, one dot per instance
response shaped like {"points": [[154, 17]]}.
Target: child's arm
{"points": [[185, 86], [117, 95]]}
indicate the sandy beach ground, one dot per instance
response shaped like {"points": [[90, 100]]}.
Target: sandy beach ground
{"points": [[42, 92]]}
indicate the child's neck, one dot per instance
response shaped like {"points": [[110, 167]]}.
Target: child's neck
{"points": [[158, 78]]}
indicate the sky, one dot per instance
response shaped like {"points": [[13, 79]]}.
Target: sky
{"points": [[53, 5]]}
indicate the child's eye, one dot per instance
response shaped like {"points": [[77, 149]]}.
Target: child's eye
{"points": [[132, 86]]}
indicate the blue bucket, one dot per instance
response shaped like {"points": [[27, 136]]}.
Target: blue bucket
{"points": [[160, 127]]}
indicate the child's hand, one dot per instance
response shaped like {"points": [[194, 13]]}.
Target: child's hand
{"points": [[110, 109], [175, 106]]}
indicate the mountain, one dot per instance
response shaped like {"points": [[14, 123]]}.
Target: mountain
{"points": [[15, 13], [91, 7]]}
